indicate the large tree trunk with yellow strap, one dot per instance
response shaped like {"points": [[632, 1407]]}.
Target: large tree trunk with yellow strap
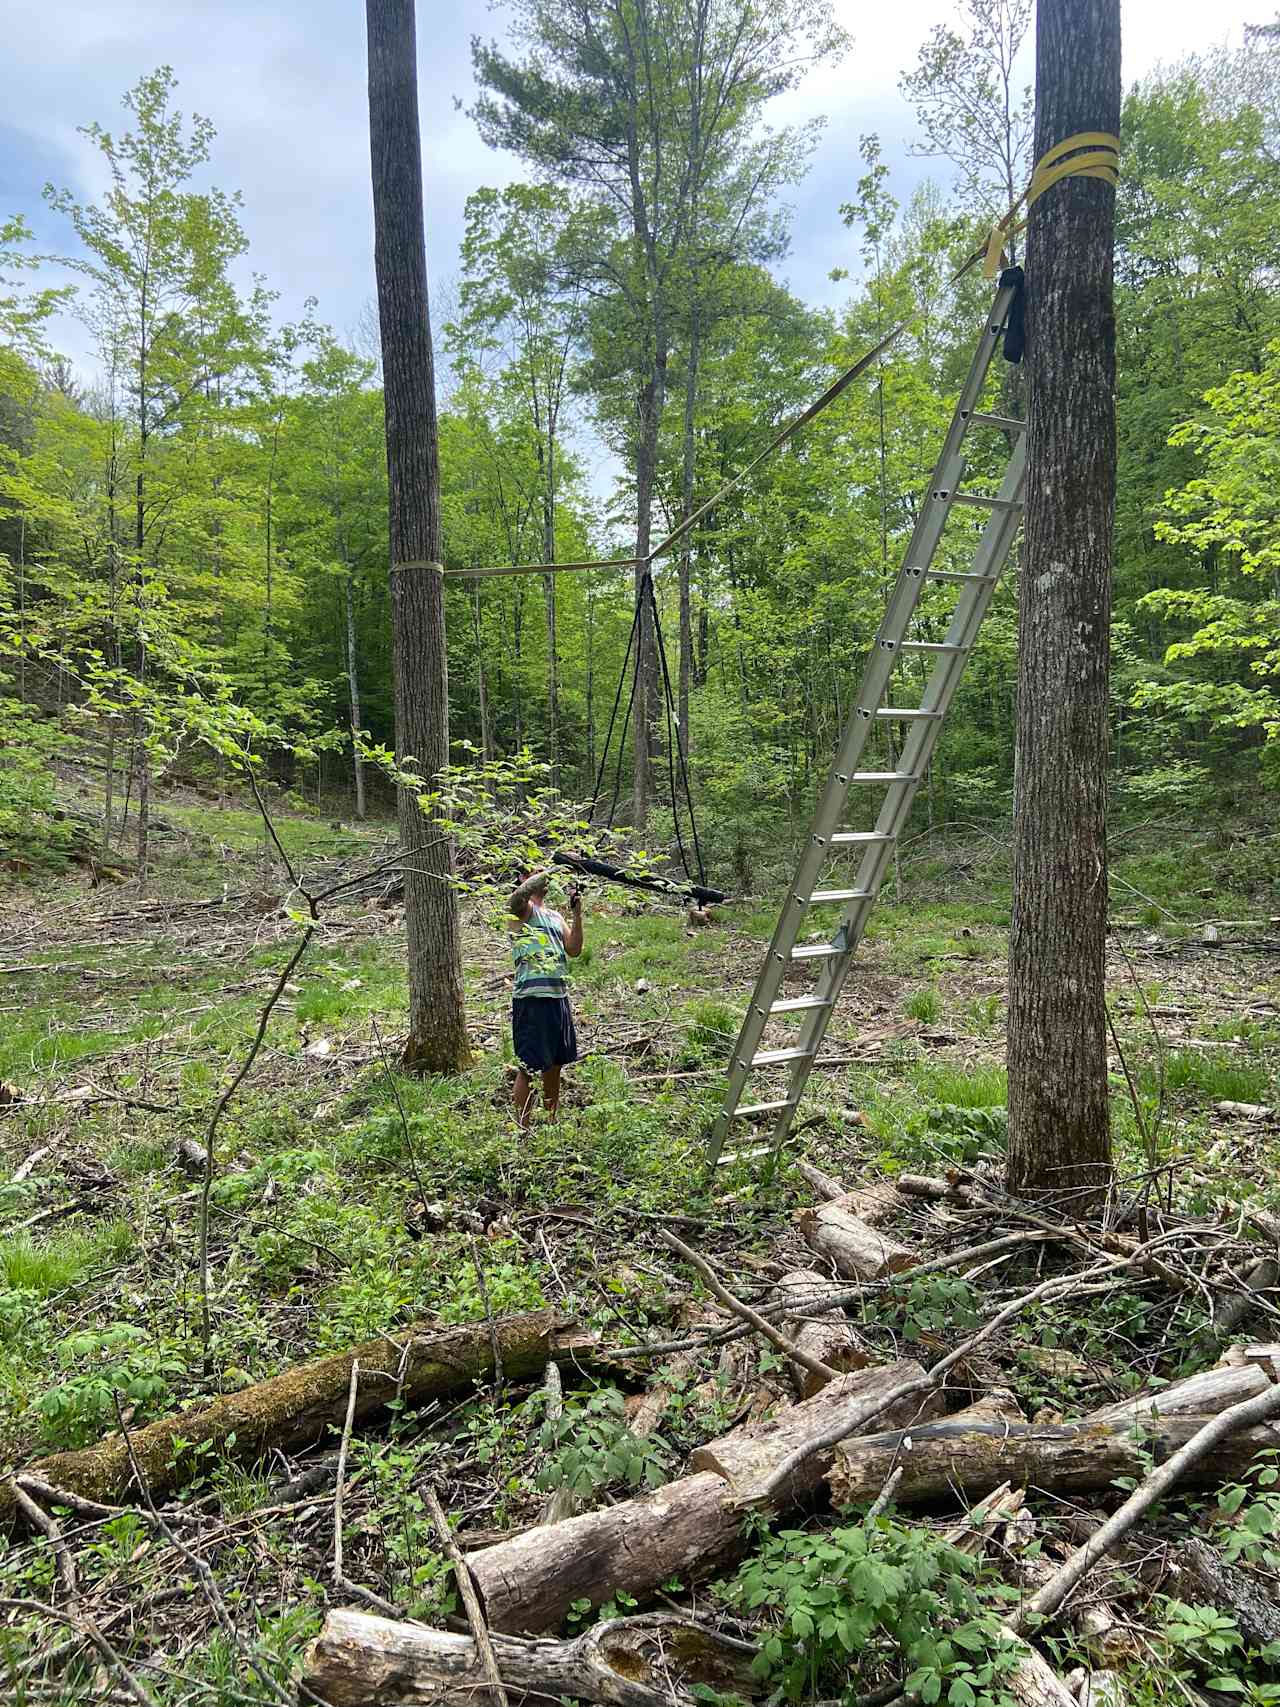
{"points": [[1059, 1134], [437, 1040]]}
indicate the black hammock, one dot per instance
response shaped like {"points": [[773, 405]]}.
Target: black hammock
{"points": [[696, 890]]}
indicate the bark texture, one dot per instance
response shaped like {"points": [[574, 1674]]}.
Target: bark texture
{"points": [[1059, 1133], [362, 1661], [827, 1335], [437, 1040], [857, 1251], [974, 1457], [297, 1408]]}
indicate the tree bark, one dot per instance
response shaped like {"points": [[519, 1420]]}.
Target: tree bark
{"points": [[299, 1407], [972, 1457], [1059, 1131], [437, 1040], [686, 554], [353, 694], [359, 1660], [826, 1334], [859, 1252], [688, 1527]]}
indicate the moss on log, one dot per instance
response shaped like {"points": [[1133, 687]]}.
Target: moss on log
{"points": [[296, 1408]]}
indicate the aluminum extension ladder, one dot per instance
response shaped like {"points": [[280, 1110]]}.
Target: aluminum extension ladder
{"points": [[892, 645]]}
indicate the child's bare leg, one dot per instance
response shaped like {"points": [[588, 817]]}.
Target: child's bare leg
{"points": [[551, 1090], [522, 1097]]}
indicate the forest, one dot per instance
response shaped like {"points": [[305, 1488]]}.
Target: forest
{"points": [[325, 1375]]}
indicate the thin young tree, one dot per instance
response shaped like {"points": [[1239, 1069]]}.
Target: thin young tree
{"points": [[1059, 1128], [437, 1040]]}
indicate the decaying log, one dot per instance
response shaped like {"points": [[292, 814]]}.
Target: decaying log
{"points": [[858, 1252], [530, 1582], [688, 1527], [827, 1188], [959, 1456], [1202, 1395], [823, 1333], [746, 1455], [296, 1409], [1033, 1681], [359, 1660], [1103, 1634]]}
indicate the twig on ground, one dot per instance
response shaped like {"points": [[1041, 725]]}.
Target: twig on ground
{"points": [[881, 1501], [64, 1564], [208, 1583], [787, 1347], [470, 1599], [128, 1682], [1103, 1273], [340, 1486]]}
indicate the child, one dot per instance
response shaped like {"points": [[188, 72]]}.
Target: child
{"points": [[541, 1018]]}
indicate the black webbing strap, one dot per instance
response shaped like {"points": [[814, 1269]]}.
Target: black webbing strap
{"points": [[636, 880]]}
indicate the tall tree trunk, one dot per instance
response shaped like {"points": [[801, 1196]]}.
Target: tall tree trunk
{"points": [[1059, 1133], [437, 1040], [353, 694], [651, 400], [686, 555], [549, 595], [486, 733]]}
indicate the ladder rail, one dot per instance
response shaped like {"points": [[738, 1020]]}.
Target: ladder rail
{"points": [[916, 756], [882, 659]]}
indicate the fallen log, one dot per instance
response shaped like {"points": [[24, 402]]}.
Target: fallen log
{"points": [[857, 1251], [747, 1454], [1197, 1573], [692, 1525], [874, 1203], [1201, 1395], [821, 1332], [296, 1409], [958, 1456], [359, 1660]]}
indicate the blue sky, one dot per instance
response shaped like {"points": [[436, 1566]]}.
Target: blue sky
{"points": [[283, 81]]}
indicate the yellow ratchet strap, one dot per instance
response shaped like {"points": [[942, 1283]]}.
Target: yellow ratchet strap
{"points": [[1100, 159]]}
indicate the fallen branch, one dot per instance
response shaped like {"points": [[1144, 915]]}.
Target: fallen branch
{"points": [[1213, 1433], [935, 1376], [470, 1601], [791, 1351]]}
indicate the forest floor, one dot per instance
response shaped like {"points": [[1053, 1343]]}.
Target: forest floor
{"points": [[349, 1200]]}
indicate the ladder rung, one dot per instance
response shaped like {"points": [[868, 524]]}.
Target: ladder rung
{"points": [[821, 895], [816, 951], [956, 577], [749, 1108], [727, 1156], [859, 838], [1005, 423], [987, 501], [772, 1057], [901, 714], [940, 646], [797, 1004], [884, 776]]}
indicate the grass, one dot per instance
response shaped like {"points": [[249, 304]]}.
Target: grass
{"points": [[45, 1267], [983, 1086], [1218, 1078], [924, 1005]]}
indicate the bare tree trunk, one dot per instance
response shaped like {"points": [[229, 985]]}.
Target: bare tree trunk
{"points": [[486, 734], [1059, 1132], [437, 1040], [108, 790], [353, 694], [652, 398], [686, 555]]}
